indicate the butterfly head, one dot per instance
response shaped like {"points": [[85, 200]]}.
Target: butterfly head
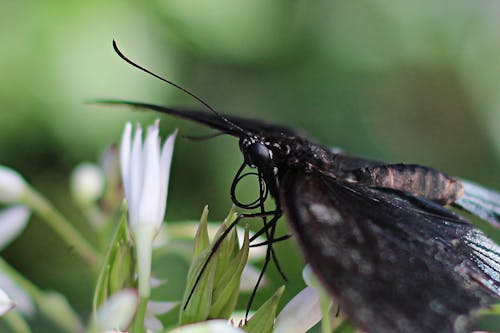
{"points": [[256, 152]]}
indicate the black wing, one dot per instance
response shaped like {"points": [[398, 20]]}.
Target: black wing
{"points": [[215, 121], [392, 265], [480, 201]]}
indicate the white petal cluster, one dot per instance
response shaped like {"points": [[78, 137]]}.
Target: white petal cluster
{"points": [[145, 172]]}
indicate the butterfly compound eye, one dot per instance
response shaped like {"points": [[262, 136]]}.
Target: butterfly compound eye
{"points": [[258, 155]]}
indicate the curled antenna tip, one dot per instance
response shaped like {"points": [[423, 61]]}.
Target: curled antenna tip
{"points": [[175, 85]]}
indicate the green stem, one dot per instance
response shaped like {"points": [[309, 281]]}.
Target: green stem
{"points": [[65, 317], [61, 226], [143, 236], [16, 322], [326, 306], [140, 316], [21, 281]]}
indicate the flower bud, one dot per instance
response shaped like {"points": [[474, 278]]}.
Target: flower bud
{"points": [[13, 220], [6, 304], [87, 183], [117, 312], [12, 185]]}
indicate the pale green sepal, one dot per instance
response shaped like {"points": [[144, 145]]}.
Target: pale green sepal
{"points": [[227, 287], [263, 320], [201, 241], [200, 302], [216, 292], [117, 271], [229, 247], [121, 274]]}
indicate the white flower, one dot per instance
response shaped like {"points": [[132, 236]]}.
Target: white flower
{"points": [[309, 277], [305, 309], [210, 326], [155, 309], [12, 185], [6, 304], [300, 314], [145, 174], [23, 301], [87, 183], [13, 220], [117, 312]]}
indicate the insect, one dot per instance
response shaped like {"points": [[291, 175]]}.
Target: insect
{"points": [[378, 236]]}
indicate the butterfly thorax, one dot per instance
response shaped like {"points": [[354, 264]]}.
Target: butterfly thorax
{"points": [[274, 156]]}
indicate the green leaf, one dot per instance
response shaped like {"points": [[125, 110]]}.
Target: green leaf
{"points": [[216, 293], [118, 268], [263, 320], [227, 287], [228, 248], [199, 305], [201, 241]]}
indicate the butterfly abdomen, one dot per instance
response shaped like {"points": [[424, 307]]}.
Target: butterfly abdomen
{"points": [[420, 181]]}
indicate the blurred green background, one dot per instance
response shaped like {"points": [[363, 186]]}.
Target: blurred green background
{"points": [[403, 81]]}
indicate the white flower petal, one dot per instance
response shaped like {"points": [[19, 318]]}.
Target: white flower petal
{"points": [[12, 185], [146, 195], [6, 304], [125, 152], [300, 314], [152, 323], [165, 164], [159, 308], [23, 300], [136, 176], [13, 220], [87, 182], [211, 326], [309, 277], [150, 194], [118, 311], [156, 282]]}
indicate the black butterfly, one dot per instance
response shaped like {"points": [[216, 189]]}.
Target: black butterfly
{"points": [[377, 235]]}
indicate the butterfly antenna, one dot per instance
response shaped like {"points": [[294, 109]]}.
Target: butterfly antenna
{"points": [[184, 90]]}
